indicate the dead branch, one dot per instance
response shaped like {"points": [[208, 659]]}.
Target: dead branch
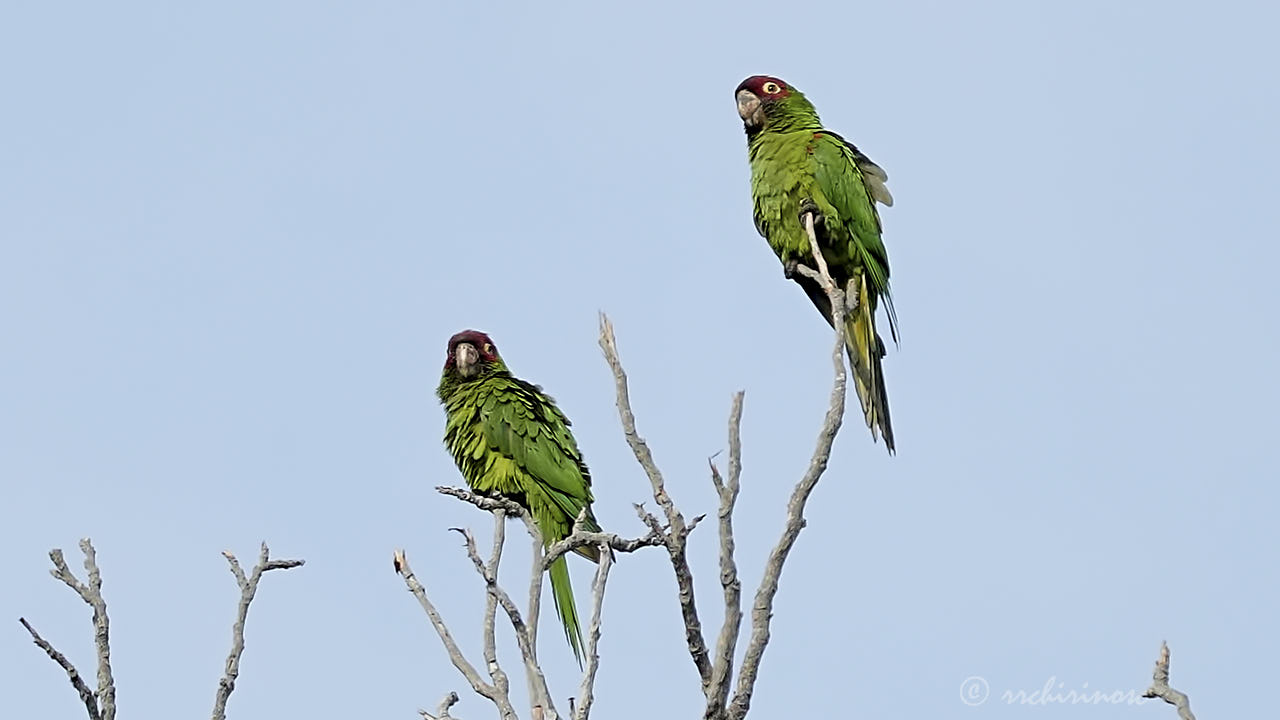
{"points": [[526, 627], [716, 674], [102, 704], [248, 588], [501, 700], [727, 644], [586, 690], [442, 711], [678, 532], [535, 586], [496, 673], [540, 695], [77, 682], [582, 538], [762, 608], [1160, 686], [490, 503]]}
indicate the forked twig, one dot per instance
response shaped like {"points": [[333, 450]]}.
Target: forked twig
{"points": [[1160, 686]]}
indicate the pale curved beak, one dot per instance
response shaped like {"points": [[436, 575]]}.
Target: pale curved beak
{"points": [[467, 359], [749, 109]]}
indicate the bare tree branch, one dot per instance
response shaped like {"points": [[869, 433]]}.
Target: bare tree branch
{"points": [[500, 680], [494, 504], [762, 608], [540, 695], [248, 588], [485, 690], [537, 552], [678, 532], [526, 630], [727, 644], [529, 633], [77, 682], [717, 673], [587, 690], [1160, 686], [582, 538], [484, 502], [442, 711], [102, 704]]}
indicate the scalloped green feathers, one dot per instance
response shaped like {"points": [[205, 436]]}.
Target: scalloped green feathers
{"points": [[508, 437], [796, 162]]}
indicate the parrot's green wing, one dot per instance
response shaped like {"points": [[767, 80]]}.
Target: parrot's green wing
{"points": [[850, 181], [873, 175], [523, 424]]}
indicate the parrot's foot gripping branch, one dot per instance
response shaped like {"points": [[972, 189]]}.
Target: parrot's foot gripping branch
{"points": [[808, 207]]}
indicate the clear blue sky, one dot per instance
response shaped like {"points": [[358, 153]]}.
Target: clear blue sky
{"points": [[234, 239]]}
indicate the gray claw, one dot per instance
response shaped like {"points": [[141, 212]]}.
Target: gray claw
{"points": [[808, 207]]}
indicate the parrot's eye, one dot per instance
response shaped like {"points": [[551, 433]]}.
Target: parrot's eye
{"points": [[770, 88], [488, 349]]}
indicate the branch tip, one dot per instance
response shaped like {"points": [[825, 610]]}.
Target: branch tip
{"points": [[1160, 686]]}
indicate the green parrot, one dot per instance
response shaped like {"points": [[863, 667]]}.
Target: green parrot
{"points": [[509, 438], [798, 167]]}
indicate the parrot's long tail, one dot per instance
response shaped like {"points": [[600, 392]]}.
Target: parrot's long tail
{"points": [[562, 593], [865, 352]]}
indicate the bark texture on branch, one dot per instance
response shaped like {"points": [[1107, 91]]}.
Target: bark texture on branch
{"points": [[248, 588], [678, 532], [497, 689], [716, 672], [1160, 686], [102, 704], [99, 705]]}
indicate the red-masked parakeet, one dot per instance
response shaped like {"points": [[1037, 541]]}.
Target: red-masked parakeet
{"points": [[509, 438], [798, 167]]}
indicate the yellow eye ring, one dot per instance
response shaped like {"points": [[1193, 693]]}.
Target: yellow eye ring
{"points": [[488, 349], [770, 88]]}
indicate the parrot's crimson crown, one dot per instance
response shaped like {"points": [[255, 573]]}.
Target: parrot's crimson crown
{"points": [[480, 341], [764, 86]]}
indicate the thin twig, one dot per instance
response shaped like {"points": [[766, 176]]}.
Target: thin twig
{"points": [[823, 275], [442, 711], [485, 690], [91, 593], [727, 644], [494, 504], [587, 690], [583, 538], [535, 589], [500, 680], [1160, 686], [762, 608], [526, 631], [77, 682], [484, 502], [538, 681], [678, 531], [248, 588]]}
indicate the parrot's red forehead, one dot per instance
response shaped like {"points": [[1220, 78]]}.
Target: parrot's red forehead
{"points": [[473, 337], [764, 86], [476, 339]]}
